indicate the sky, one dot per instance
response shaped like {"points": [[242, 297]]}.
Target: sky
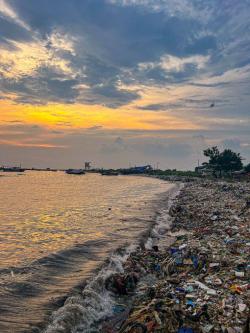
{"points": [[123, 82]]}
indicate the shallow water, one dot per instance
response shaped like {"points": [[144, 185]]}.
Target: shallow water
{"points": [[56, 229]]}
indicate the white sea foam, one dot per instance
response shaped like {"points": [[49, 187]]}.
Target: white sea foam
{"points": [[163, 220], [81, 312]]}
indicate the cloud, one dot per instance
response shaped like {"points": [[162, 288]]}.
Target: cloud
{"points": [[20, 135], [38, 146], [155, 42], [160, 106], [11, 15], [30, 145], [11, 31], [28, 58], [107, 95], [119, 141], [176, 64], [187, 104], [175, 150], [76, 39], [174, 57], [94, 128], [234, 144]]}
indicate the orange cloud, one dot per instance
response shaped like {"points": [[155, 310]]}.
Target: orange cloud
{"points": [[25, 144], [76, 116]]}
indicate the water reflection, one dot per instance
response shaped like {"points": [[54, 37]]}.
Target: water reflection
{"points": [[56, 228]]}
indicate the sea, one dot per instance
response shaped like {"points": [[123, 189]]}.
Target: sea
{"points": [[60, 232]]}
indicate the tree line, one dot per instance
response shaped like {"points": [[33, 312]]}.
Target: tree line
{"points": [[224, 162]]}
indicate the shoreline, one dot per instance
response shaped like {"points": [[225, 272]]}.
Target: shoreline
{"points": [[88, 308], [195, 279], [201, 282]]}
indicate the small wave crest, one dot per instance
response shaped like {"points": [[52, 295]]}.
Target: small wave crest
{"points": [[81, 313], [163, 220]]}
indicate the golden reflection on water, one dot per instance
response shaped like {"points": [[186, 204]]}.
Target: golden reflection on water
{"points": [[45, 212], [55, 229]]}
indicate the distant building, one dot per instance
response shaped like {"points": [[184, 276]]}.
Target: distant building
{"points": [[203, 170], [87, 165], [241, 175]]}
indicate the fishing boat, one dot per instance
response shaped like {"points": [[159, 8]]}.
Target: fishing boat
{"points": [[13, 169], [109, 173], [75, 172]]}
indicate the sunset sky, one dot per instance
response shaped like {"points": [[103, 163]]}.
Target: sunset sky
{"points": [[123, 82]]}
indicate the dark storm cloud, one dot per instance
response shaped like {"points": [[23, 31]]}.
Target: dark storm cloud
{"points": [[157, 75], [186, 103], [118, 43], [124, 35], [11, 31], [44, 86], [109, 38]]}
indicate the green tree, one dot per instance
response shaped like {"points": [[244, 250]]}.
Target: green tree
{"points": [[230, 161], [247, 168], [226, 161], [213, 154]]}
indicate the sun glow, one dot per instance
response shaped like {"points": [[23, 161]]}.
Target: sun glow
{"points": [[75, 116]]}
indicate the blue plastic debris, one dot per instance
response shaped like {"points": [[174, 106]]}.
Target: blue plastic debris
{"points": [[157, 267], [180, 290], [174, 250], [195, 261], [185, 330], [118, 308], [190, 303]]}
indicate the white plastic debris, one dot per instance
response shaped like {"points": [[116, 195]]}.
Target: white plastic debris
{"points": [[214, 264], [242, 307]]}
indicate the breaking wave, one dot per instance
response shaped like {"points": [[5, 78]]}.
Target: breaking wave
{"points": [[82, 312]]}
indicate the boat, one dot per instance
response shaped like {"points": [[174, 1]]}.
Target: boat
{"points": [[49, 169], [109, 173], [13, 169], [75, 171]]}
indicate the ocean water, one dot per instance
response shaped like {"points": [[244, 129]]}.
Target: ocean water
{"points": [[56, 230]]}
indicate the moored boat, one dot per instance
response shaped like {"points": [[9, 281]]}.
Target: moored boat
{"points": [[13, 169], [75, 172], [109, 173]]}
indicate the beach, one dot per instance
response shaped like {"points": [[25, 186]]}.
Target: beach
{"points": [[185, 271], [195, 280]]}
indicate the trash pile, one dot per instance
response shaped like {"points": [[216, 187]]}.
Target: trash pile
{"points": [[175, 178], [201, 283]]}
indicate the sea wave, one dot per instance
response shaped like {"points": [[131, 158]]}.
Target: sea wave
{"points": [[81, 313]]}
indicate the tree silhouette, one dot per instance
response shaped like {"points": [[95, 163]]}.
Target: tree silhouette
{"points": [[226, 161], [247, 168]]}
